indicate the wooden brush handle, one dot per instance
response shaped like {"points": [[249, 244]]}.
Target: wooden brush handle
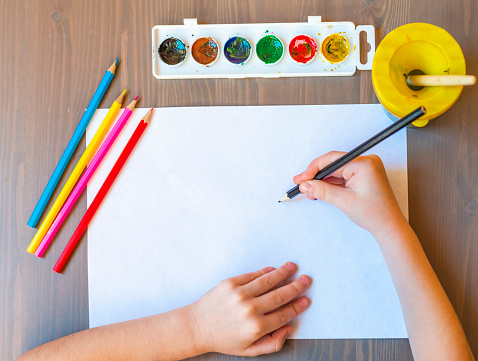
{"points": [[441, 80]]}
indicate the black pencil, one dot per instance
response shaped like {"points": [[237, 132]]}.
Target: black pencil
{"points": [[384, 134]]}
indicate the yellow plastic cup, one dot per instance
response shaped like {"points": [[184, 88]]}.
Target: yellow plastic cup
{"points": [[421, 46]]}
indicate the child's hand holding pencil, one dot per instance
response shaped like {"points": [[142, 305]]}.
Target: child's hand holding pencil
{"points": [[360, 189]]}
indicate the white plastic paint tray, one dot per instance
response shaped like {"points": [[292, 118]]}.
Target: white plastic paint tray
{"points": [[254, 67]]}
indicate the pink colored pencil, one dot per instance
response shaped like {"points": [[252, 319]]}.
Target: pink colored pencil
{"points": [[85, 178], [85, 221]]}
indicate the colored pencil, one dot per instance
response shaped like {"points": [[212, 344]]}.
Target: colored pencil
{"points": [[102, 192], [70, 148], [354, 153], [79, 168], [85, 178]]}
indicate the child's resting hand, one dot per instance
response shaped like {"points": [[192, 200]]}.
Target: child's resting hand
{"points": [[360, 189], [246, 316]]}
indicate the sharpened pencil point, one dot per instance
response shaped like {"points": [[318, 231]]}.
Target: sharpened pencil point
{"points": [[132, 105], [120, 98], [285, 198], [116, 62], [147, 117], [136, 98], [112, 68]]}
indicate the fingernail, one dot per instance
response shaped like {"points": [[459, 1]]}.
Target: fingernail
{"points": [[290, 266], [270, 269], [304, 302], [305, 280], [305, 187]]}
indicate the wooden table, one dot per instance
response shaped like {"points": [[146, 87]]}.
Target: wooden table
{"points": [[53, 54]]}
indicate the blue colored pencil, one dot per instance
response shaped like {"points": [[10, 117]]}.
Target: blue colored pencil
{"points": [[70, 148]]}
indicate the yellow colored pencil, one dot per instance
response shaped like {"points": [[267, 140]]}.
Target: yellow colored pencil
{"points": [[75, 175]]}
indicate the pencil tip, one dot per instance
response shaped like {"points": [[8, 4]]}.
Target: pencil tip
{"points": [[132, 105], [284, 199], [147, 117], [152, 109], [112, 68], [120, 97], [136, 98]]}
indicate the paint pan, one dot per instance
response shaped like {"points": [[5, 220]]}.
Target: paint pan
{"points": [[335, 48], [172, 51], [270, 49], [302, 49], [258, 64], [237, 50], [205, 51]]}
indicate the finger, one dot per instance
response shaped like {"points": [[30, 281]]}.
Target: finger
{"points": [[363, 165], [269, 343], [266, 282], [378, 163], [317, 164], [376, 159], [285, 314], [335, 181], [330, 193], [251, 276], [279, 297]]}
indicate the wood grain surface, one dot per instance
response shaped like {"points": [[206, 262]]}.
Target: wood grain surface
{"points": [[53, 55]]}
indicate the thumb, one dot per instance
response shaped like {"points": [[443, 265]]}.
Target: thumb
{"points": [[271, 342], [324, 191]]}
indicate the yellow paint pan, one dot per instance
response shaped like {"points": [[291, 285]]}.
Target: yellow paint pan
{"points": [[417, 46]]}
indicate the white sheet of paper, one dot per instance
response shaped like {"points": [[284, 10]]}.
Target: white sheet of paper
{"points": [[197, 202]]}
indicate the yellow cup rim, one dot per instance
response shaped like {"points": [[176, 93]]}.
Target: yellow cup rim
{"points": [[393, 100]]}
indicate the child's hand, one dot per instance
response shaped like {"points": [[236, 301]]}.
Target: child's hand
{"points": [[245, 316], [360, 189]]}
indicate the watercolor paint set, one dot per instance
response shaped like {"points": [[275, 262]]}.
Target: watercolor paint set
{"points": [[269, 50]]}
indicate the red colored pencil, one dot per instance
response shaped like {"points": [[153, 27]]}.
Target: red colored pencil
{"points": [[102, 192]]}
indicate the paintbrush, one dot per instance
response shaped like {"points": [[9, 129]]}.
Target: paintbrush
{"points": [[417, 80]]}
